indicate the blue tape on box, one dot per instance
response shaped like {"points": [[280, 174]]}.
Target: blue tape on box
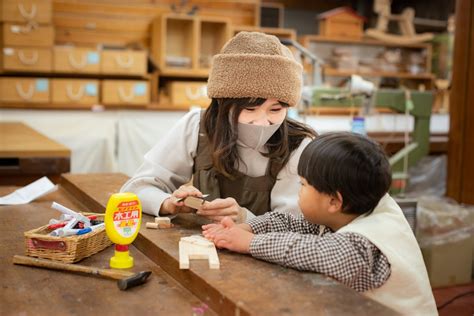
{"points": [[91, 89], [93, 58], [41, 85], [139, 89]]}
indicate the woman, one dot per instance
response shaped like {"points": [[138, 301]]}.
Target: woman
{"points": [[243, 150]]}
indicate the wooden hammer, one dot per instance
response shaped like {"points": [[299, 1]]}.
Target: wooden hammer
{"points": [[125, 279]]}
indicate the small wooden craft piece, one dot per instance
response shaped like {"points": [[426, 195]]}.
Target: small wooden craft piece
{"points": [[151, 225], [163, 222], [193, 202], [160, 222], [197, 247]]}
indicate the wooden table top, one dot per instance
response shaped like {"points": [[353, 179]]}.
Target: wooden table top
{"points": [[18, 140], [33, 291], [242, 285]]}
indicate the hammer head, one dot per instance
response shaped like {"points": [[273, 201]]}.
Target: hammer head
{"points": [[134, 280]]}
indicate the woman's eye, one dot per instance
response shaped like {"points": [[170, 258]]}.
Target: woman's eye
{"points": [[276, 110], [250, 109]]}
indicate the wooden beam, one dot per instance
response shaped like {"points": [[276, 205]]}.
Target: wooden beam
{"points": [[460, 182]]}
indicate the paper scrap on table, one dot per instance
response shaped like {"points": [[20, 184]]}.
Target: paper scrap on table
{"points": [[29, 193]]}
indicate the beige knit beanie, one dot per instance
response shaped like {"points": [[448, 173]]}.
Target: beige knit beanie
{"points": [[255, 65]]}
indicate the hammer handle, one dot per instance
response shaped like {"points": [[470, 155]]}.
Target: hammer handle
{"points": [[49, 264]]}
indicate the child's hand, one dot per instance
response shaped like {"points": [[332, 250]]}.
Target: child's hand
{"points": [[211, 230], [230, 236]]}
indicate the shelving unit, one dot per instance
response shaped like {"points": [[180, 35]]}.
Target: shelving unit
{"points": [[370, 48], [328, 71], [183, 45], [278, 32]]}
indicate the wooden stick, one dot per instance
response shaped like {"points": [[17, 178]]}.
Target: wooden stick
{"points": [[49, 264]]}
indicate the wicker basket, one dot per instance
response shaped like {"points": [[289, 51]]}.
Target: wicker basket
{"points": [[38, 243]]}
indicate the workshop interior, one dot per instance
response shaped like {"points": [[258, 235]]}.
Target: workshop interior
{"points": [[89, 89]]}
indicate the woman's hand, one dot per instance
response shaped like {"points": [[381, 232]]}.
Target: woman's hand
{"points": [[217, 209], [228, 235], [174, 204]]}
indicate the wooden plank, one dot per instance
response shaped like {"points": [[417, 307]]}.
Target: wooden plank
{"points": [[240, 13], [278, 32], [102, 23], [82, 187], [365, 41], [96, 37], [460, 182], [19, 140], [328, 71], [243, 285], [33, 291]]}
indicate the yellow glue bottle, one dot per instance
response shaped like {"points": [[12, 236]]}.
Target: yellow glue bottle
{"points": [[122, 222]]}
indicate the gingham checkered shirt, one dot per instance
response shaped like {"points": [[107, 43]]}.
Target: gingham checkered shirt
{"points": [[294, 242]]}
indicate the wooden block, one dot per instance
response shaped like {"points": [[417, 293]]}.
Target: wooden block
{"points": [[163, 222], [151, 225], [197, 247], [193, 202]]}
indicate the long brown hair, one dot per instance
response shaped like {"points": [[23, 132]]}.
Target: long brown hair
{"points": [[221, 121]]}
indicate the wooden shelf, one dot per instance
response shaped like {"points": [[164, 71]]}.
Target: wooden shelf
{"points": [[69, 106], [62, 75], [184, 73], [278, 32], [347, 73], [364, 41], [334, 110]]}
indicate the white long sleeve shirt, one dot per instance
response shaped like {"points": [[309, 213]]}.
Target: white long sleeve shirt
{"points": [[169, 164]]}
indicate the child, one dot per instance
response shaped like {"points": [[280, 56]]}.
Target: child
{"points": [[243, 150], [350, 228]]}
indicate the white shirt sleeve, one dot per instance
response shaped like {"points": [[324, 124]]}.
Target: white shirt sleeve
{"points": [[167, 166], [284, 195]]}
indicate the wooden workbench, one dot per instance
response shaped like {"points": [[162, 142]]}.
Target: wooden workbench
{"points": [[26, 155], [242, 286]]}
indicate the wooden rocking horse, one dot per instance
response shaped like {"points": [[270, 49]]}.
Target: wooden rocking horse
{"points": [[405, 23]]}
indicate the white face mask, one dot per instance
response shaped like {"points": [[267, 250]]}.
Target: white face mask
{"points": [[255, 136]]}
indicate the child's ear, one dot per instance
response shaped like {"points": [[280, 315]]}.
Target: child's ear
{"points": [[335, 204]]}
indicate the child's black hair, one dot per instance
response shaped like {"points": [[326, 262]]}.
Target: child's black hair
{"points": [[351, 164]]}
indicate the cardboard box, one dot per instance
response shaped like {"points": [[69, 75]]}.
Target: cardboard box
{"points": [[24, 90], [75, 91], [68, 59], [125, 92], [449, 263], [22, 11], [26, 35], [124, 62], [26, 59], [188, 93]]}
